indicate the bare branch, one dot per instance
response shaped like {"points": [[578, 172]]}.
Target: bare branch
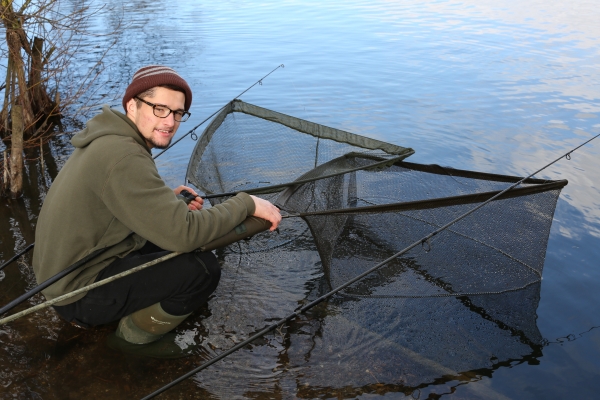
{"points": [[49, 71]]}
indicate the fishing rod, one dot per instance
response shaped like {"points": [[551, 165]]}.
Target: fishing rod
{"points": [[193, 130], [319, 300]]}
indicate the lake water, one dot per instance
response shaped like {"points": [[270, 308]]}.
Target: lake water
{"points": [[498, 87]]}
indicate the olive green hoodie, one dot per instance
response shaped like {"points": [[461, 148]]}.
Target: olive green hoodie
{"points": [[109, 188]]}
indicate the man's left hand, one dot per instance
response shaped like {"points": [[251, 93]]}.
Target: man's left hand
{"points": [[195, 204]]}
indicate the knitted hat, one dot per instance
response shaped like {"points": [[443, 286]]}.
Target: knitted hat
{"points": [[155, 75]]}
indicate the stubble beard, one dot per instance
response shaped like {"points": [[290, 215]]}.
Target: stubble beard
{"points": [[159, 145], [153, 140]]}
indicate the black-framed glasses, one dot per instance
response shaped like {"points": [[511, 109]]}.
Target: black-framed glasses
{"points": [[163, 111]]}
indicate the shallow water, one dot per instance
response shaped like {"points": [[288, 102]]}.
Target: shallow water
{"points": [[500, 88]]}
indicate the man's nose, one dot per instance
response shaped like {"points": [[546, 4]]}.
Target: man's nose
{"points": [[169, 120]]}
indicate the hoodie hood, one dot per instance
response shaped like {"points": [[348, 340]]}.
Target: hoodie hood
{"points": [[108, 122]]}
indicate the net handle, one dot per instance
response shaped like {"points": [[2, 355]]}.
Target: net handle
{"points": [[437, 203]]}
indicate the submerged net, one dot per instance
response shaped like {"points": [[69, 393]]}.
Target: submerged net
{"points": [[465, 300], [369, 215]]}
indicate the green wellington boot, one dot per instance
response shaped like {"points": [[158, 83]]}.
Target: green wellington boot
{"points": [[147, 333]]}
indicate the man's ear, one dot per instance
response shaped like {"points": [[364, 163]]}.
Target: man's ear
{"points": [[131, 107]]}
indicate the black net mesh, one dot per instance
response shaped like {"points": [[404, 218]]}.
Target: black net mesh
{"points": [[464, 301], [499, 248]]}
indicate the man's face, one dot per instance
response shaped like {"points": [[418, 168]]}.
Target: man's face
{"points": [[158, 132]]}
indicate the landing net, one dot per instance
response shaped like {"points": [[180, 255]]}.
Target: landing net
{"points": [[464, 301]]}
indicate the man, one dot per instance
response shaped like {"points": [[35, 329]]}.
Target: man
{"points": [[109, 195]]}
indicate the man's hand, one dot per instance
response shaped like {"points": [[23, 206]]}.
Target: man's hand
{"points": [[268, 211], [195, 204]]}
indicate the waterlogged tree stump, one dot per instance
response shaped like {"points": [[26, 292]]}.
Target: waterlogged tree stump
{"points": [[25, 83], [14, 47]]}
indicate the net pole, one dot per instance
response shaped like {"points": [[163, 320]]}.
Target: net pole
{"points": [[427, 204], [319, 300]]}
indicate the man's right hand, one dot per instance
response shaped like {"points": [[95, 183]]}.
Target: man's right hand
{"points": [[266, 210]]}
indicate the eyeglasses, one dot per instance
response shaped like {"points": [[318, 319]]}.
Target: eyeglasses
{"points": [[163, 111]]}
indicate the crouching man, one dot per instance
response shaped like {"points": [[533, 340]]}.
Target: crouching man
{"points": [[109, 195]]}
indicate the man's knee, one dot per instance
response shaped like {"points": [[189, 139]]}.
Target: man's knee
{"points": [[201, 270], [199, 275], [210, 264]]}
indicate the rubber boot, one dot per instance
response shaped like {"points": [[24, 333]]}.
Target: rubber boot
{"points": [[147, 333]]}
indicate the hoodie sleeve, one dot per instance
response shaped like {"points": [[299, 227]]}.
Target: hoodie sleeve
{"points": [[137, 196]]}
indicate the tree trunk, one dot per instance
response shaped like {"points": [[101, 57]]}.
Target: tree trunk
{"points": [[7, 91], [41, 102], [14, 46], [38, 100], [16, 153], [6, 173]]}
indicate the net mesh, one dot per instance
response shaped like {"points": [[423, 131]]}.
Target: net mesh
{"points": [[499, 248], [464, 301], [249, 148]]}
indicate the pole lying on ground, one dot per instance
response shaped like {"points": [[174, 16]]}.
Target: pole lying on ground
{"points": [[302, 310], [87, 288], [51, 280]]}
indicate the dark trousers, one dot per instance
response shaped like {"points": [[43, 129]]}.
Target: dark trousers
{"points": [[181, 284]]}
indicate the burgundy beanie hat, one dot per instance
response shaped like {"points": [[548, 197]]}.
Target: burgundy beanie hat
{"points": [[156, 75]]}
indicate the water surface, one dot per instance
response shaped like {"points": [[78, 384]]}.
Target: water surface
{"points": [[496, 87]]}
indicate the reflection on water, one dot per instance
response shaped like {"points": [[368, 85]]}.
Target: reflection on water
{"points": [[472, 84]]}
